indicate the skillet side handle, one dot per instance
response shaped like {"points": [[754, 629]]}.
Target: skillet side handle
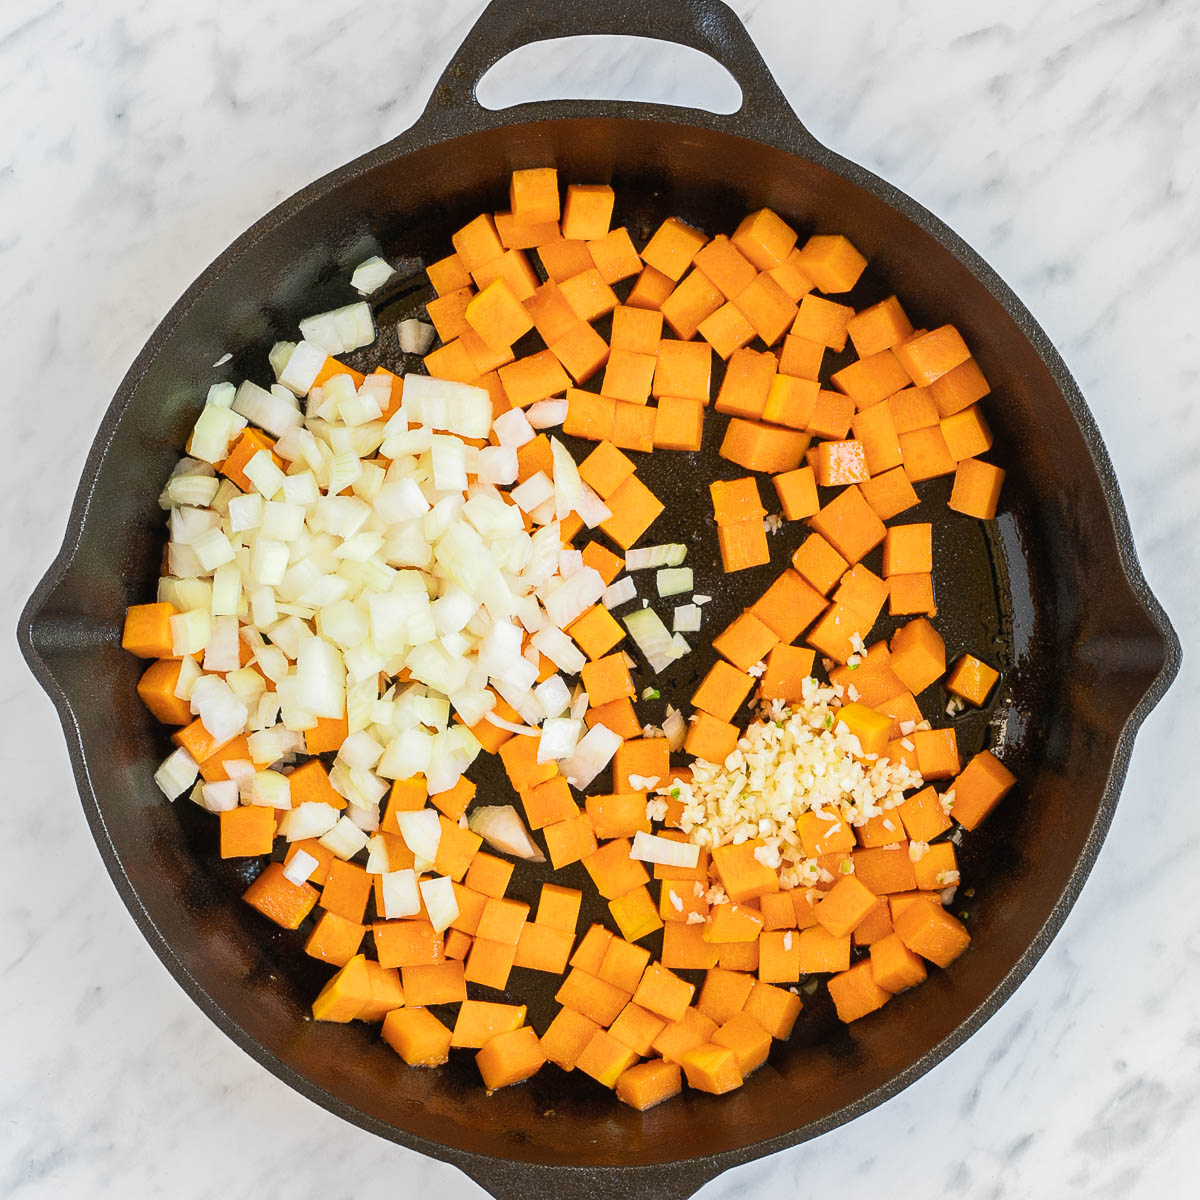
{"points": [[507, 1180], [708, 26]]}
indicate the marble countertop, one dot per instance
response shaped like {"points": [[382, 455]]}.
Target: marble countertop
{"points": [[1060, 139]]}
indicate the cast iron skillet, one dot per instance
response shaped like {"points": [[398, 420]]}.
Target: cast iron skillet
{"points": [[1052, 591]]}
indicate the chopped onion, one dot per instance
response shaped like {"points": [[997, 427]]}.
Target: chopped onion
{"points": [[512, 428], [458, 408], [619, 592], [370, 276], [545, 414], [687, 618], [669, 554], [421, 832], [400, 895], [415, 337], [176, 773], [312, 819], [560, 736], [498, 465], [573, 596], [559, 649], [340, 330], [440, 902], [648, 847], [300, 867], [592, 510], [302, 367], [652, 637], [276, 412], [220, 795], [345, 839], [593, 753], [674, 728], [554, 696], [672, 581], [502, 828]]}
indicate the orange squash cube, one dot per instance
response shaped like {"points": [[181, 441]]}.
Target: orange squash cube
{"points": [[959, 387], [849, 525], [855, 992], [566, 1036], [885, 870], [588, 295], [971, 679], [672, 247], [617, 715], [628, 376], [840, 463], [633, 426], [889, 494], [247, 831], [822, 951], [712, 1068], [541, 948], [982, 785], [797, 492], [819, 563], [766, 448], [879, 327], [929, 356], [618, 816], [831, 262], [612, 870], [663, 992], [685, 949], [417, 1036], [725, 265], [448, 275], [722, 691], [764, 238], [844, 906], [678, 423], [570, 840], [724, 994], [894, 967], [587, 212], [923, 816], [683, 369], [514, 268], [646, 1084], [745, 642], [650, 289], [976, 490], [334, 939], [615, 257], [767, 307], [747, 383], [787, 668], [788, 606], [582, 351], [635, 914], [509, 1058], [636, 329], [928, 930], [937, 752], [589, 416], [477, 243], [694, 300], [534, 195], [792, 402], [743, 544], [524, 235], [147, 629], [749, 1041], [634, 509], [822, 321], [801, 357], [593, 997], [792, 277], [449, 313], [279, 899]]}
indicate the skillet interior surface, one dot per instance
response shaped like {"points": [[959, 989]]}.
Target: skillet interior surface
{"points": [[1045, 593]]}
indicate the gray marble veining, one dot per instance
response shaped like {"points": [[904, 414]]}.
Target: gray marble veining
{"points": [[1062, 140]]}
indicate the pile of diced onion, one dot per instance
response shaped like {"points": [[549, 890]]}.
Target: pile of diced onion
{"points": [[306, 597]]}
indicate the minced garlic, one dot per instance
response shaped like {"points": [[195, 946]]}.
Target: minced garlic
{"points": [[791, 760]]}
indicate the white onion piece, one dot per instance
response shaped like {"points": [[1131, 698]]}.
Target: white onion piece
{"points": [[360, 751], [573, 597], [568, 487], [321, 678], [400, 895], [512, 428], [560, 736], [270, 789], [220, 795], [674, 728], [341, 329], [502, 828], [371, 275], [553, 695], [673, 581], [686, 618], [302, 367], [458, 408], [189, 672], [648, 847], [593, 753], [592, 510], [264, 474], [421, 831], [377, 856], [652, 637], [619, 592], [176, 773], [511, 726], [670, 554], [559, 649], [189, 632], [300, 867], [415, 337], [440, 902], [312, 819], [268, 410], [214, 432], [545, 414], [345, 839], [221, 395], [534, 492], [497, 464]]}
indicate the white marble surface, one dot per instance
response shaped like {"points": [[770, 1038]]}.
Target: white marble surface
{"points": [[138, 138]]}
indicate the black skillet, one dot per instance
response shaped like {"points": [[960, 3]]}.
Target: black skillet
{"points": [[1051, 591]]}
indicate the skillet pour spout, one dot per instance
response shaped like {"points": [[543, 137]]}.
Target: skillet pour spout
{"points": [[1051, 590]]}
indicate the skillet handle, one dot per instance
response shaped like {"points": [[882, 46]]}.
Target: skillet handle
{"points": [[709, 26], [506, 1180]]}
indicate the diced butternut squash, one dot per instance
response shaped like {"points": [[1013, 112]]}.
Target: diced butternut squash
{"points": [[745, 642], [612, 870], [509, 1058], [722, 691], [712, 1068], [928, 930], [918, 655], [789, 606], [801, 357], [619, 815], [247, 831], [879, 327], [542, 948], [822, 321], [692, 302], [672, 248], [885, 869], [787, 668], [749, 1041], [615, 257], [593, 997], [743, 544], [634, 508], [448, 275], [646, 1084], [605, 1058], [570, 840], [678, 423], [587, 212], [929, 356], [279, 899], [743, 876], [489, 963], [685, 949], [822, 951], [635, 914], [663, 992], [848, 523], [844, 906], [683, 369], [566, 1036], [855, 992], [982, 785], [766, 448], [650, 289], [923, 816], [976, 491]]}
